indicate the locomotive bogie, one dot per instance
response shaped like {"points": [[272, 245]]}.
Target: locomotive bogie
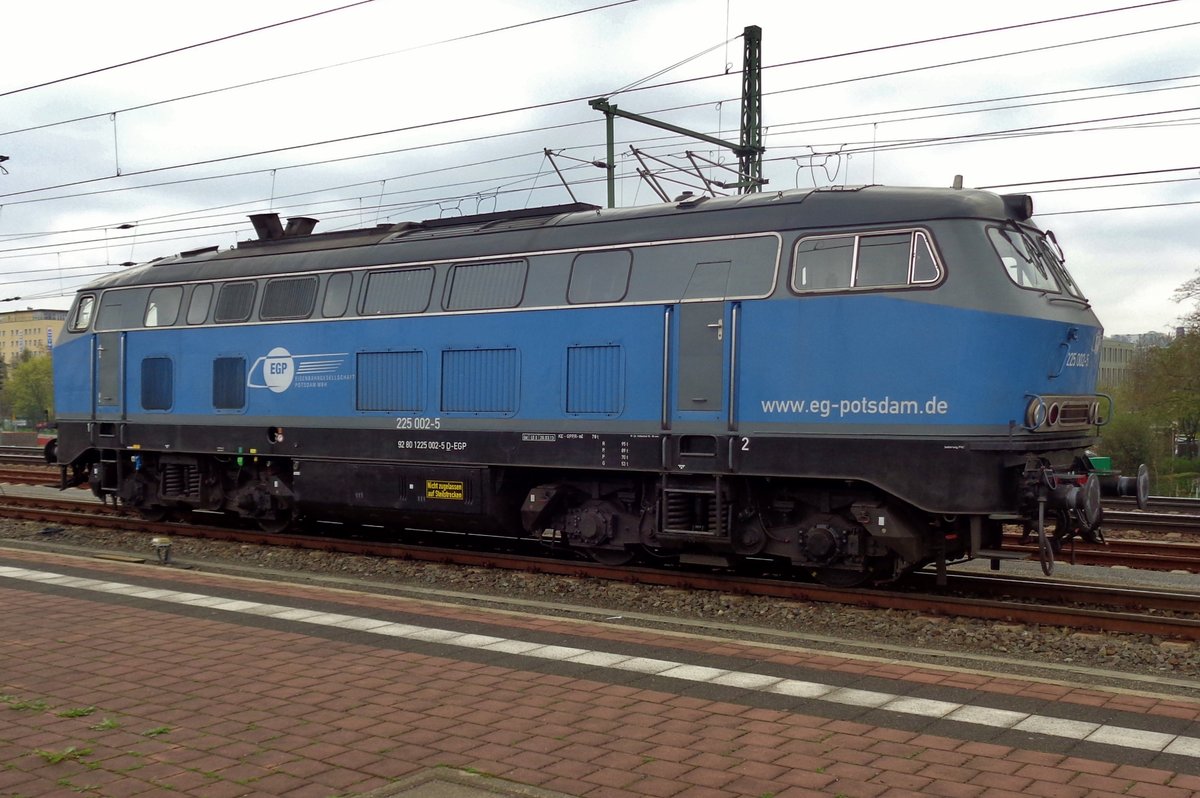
{"points": [[852, 383]]}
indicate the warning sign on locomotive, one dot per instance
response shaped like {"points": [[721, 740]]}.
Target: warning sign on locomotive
{"points": [[444, 489]]}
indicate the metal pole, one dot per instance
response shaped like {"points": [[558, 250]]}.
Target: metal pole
{"points": [[751, 150], [610, 160]]}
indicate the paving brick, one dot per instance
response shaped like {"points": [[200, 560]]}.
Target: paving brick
{"points": [[696, 791], [1044, 773], [1094, 782], [1135, 773], [1148, 790], [1047, 789], [896, 764], [1186, 782], [653, 787], [953, 789]]}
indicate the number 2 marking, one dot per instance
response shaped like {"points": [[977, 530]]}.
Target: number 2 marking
{"points": [[745, 444]]}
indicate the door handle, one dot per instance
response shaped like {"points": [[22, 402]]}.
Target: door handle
{"points": [[719, 325]]}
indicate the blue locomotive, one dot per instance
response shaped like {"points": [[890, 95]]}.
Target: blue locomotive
{"points": [[851, 382]]}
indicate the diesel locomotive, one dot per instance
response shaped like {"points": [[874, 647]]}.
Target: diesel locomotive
{"points": [[849, 382]]}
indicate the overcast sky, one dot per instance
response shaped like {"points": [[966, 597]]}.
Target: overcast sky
{"points": [[110, 167]]}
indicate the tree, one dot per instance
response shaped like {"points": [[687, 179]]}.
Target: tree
{"points": [[1186, 292], [29, 389], [1167, 381]]}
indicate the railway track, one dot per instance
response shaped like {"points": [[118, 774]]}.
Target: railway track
{"points": [[1147, 555], [28, 475], [1181, 503], [32, 455], [1159, 613], [1187, 524]]}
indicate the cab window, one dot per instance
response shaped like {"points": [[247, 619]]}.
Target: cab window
{"points": [[83, 313], [888, 259]]}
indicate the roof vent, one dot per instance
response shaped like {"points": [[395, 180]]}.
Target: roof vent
{"points": [[299, 226], [267, 226]]}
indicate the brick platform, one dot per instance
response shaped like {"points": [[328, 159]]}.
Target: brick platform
{"points": [[124, 680]]}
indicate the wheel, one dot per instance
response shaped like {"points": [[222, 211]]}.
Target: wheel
{"points": [[277, 523], [611, 556], [154, 513], [835, 577]]}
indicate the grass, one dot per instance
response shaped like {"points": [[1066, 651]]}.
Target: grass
{"points": [[77, 712], [36, 705], [54, 757], [105, 724], [156, 732]]}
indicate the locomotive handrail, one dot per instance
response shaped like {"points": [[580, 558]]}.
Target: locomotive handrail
{"points": [[1107, 416], [1066, 353]]}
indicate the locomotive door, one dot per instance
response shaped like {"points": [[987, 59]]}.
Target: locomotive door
{"points": [[108, 372], [701, 357], [702, 354]]}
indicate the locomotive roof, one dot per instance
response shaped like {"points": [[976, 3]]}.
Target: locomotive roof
{"points": [[564, 227]]}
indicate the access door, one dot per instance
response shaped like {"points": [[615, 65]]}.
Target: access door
{"points": [[702, 354], [701, 357], [108, 376]]}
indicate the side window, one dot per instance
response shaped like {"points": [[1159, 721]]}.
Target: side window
{"points": [[824, 264], [397, 291], [337, 295], [480, 286], [709, 281], [883, 260], [234, 303], [229, 383], [865, 260], [163, 308], [158, 383], [83, 313], [599, 277], [124, 309], [925, 266], [198, 307], [288, 298]]}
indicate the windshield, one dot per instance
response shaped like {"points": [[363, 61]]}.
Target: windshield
{"points": [[1053, 256], [1025, 265], [1032, 260]]}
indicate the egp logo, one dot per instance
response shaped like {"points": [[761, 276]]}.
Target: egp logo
{"points": [[279, 368]]}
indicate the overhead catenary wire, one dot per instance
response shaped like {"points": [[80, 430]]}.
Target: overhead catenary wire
{"points": [[902, 144], [554, 103], [315, 70], [185, 48], [877, 147], [376, 181], [776, 130]]}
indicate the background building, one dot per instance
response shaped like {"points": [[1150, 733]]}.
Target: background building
{"points": [[29, 331], [1115, 357]]}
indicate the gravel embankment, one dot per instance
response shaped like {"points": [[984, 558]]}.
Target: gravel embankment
{"points": [[1052, 652]]}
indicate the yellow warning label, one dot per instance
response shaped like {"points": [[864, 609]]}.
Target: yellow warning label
{"points": [[444, 489]]}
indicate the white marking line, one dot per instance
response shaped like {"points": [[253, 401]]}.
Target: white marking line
{"points": [[1121, 737]]}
